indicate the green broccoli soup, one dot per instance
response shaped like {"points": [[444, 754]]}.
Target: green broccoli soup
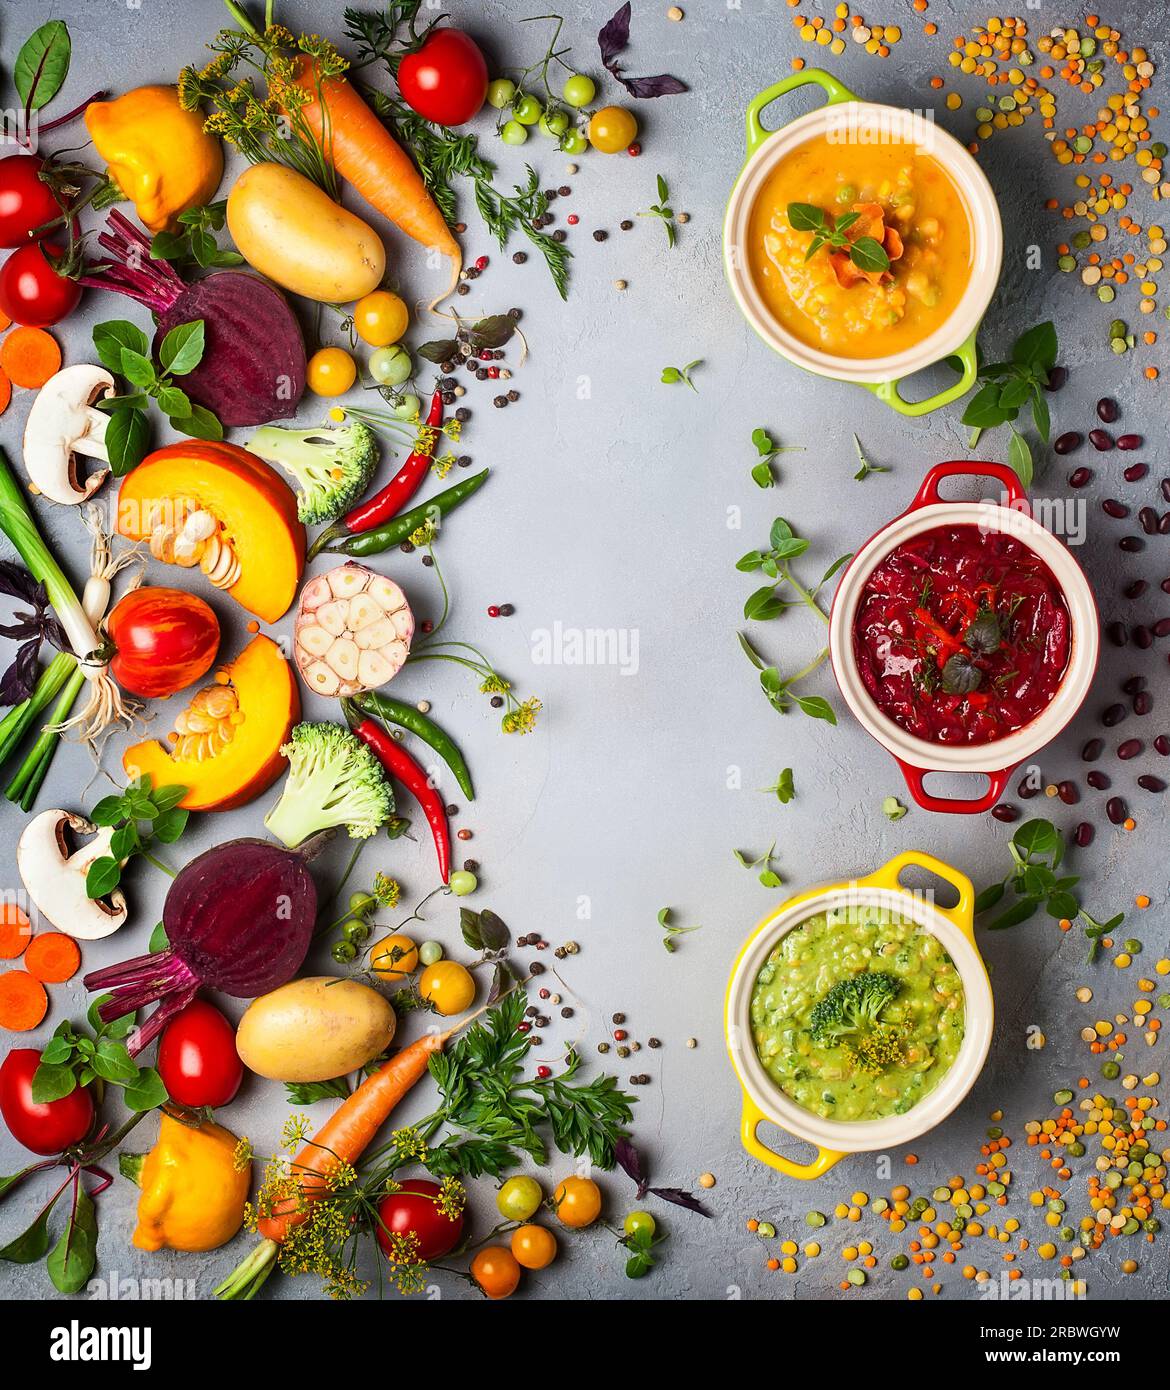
{"points": [[857, 1013]]}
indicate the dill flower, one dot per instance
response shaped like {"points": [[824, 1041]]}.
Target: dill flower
{"points": [[330, 63], [278, 36], [243, 1154], [494, 685], [877, 1050], [522, 719], [452, 1198], [443, 465], [424, 440], [386, 890], [424, 534], [293, 1131]]}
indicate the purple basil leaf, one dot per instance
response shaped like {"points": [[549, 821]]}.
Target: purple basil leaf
{"points": [[24, 626], [16, 581], [615, 35], [680, 1198], [19, 681], [629, 1160], [53, 632], [661, 86]]}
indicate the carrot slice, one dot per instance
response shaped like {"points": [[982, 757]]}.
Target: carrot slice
{"points": [[15, 931], [5, 391], [30, 356], [23, 1001], [52, 958], [5, 321]]}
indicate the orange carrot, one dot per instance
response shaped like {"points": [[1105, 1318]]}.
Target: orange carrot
{"points": [[346, 1134], [5, 391], [366, 155], [15, 931], [30, 356], [5, 321], [23, 1001], [52, 958]]}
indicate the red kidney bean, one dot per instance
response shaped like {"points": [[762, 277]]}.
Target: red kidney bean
{"points": [[1149, 519], [1133, 685], [1135, 588], [1131, 544], [1165, 486], [1101, 440], [1151, 784], [1116, 809], [1130, 749], [1117, 633], [1113, 715], [1092, 750], [1143, 638], [1004, 812], [1162, 627], [1112, 507], [1098, 780], [1067, 791], [1162, 745], [1057, 376], [1136, 472], [1083, 835], [1080, 477], [1165, 586], [1068, 442], [1143, 702], [1164, 524], [1025, 790], [1107, 409], [1129, 442]]}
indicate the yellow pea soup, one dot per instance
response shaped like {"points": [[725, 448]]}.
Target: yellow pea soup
{"points": [[924, 228]]}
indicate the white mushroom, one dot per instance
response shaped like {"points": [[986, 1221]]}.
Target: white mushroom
{"points": [[53, 872], [63, 424]]}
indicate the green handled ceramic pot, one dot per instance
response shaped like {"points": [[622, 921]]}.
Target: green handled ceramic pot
{"points": [[956, 335]]}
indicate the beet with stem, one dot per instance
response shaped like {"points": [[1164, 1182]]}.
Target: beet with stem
{"points": [[239, 918]]}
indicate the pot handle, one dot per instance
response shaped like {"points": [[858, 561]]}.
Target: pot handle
{"points": [[963, 912], [836, 92], [1007, 478], [752, 1118], [963, 806], [887, 391]]}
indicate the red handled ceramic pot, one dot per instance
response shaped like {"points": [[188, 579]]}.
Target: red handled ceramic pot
{"points": [[964, 636]]}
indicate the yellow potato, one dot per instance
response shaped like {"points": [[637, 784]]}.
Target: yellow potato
{"points": [[285, 227], [314, 1029]]}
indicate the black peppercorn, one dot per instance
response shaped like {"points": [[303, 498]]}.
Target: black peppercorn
{"points": [[653, 1042], [428, 560], [626, 224], [507, 609], [520, 257], [471, 865], [447, 366], [619, 1018], [499, 402], [463, 414], [559, 235], [566, 1012], [406, 547], [497, 701], [514, 314], [564, 190], [536, 968], [513, 394], [481, 374], [462, 289], [599, 235]]}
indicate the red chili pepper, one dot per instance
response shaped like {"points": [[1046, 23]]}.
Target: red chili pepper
{"points": [[404, 484], [399, 764]]}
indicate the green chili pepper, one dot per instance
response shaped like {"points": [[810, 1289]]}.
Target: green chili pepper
{"points": [[381, 706], [396, 531]]}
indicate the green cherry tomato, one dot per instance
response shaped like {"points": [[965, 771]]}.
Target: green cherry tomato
{"points": [[430, 952], [391, 366], [573, 142], [356, 930], [519, 1198], [639, 1221], [360, 902], [408, 408], [343, 952], [579, 90], [461, 883], [554, 124], [527, 110], [513, 133], [500, 92]]}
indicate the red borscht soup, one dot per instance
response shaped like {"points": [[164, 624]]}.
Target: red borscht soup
{"points": [[962, 635]]}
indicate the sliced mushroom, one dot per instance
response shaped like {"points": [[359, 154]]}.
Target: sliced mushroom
{"points": [[53, 871], [64, 426]]}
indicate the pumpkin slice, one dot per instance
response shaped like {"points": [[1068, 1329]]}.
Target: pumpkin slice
{"points": [[220, 508], [225, 748]]}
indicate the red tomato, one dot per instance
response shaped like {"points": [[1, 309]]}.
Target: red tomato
{"points": [[165, 639], [414, 1208], [47, 1127], [446, 80], [31, 291], [197, 1057], [26, 201]]}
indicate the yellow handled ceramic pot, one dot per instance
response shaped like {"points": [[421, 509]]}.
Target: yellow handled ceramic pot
{"points": [[833, 1139], [845, 119]]}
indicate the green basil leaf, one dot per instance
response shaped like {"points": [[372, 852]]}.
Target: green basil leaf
{"points": [[816, 707], [174, 403], [989, 897], [111, 337], [113, 1063], [170, 825], [137, 368], [108, 811], [127, 440], [867, 253], [158, 940], [762, 474], [750, 652], [763, 605], [147, 1092], [1037, 348], [72, 1259], [1041, 417], [56, 1051], [983, 634], [789, 549], [168, 246], [182, 349], [1039, 837], [1017, 913], [103, 877], [751, 561], [1020, 458], [52, 1081], [983, 409], [805, 217], [1014, 392], [42, 64], [202, 424], [166, 797], [781, 531]]}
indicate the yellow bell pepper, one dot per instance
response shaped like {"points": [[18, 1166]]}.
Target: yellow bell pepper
{"points": [[158, 154], [193, 1194]]}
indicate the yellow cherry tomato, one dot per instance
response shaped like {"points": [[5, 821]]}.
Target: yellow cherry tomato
{"points": [[496, 1271], [577, 1202], [331, 372], [380, 318], [394, 957], [534, 1246], [448, 986], [612, 129]]}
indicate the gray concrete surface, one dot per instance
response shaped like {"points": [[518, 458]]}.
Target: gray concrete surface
{"points": [[621, 504]]}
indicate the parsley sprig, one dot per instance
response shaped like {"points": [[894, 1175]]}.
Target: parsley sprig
{"points": [[663, 211]]}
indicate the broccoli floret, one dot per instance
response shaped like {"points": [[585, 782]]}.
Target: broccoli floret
{"points": [[852, 1006], [333, 779], [332, 467]]}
